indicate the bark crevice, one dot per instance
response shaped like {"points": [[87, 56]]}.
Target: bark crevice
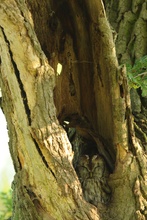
{"points": [[17, 73]]}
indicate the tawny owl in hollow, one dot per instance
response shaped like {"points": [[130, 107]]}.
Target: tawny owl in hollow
{"points": [[93, 175]]}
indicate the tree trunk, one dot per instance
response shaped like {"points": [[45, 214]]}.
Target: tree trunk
{"points": [[129, 23], [90, 94]]}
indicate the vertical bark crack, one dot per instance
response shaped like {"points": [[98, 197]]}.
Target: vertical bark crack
{"points": [[43, 157], [17, 73]]}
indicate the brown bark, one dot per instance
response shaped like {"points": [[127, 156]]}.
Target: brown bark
{"points": [[91, 93], [128, 20], [45, 179], [89, 65]]}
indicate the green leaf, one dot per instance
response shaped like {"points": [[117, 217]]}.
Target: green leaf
{"points": [[137, 75]]}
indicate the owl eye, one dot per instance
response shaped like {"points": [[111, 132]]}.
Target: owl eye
{"points": [[83, 171]]}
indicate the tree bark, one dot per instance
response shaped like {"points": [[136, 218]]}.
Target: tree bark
{"points": [[36, 138], [91, 93], [128, 20], [129, 23]]}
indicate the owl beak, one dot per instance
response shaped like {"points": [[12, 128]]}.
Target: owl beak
{"points": [[90, 175]]}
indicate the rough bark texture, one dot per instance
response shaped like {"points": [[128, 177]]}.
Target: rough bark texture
{"points": [[45, 184], [129, 20], [91, 93]]}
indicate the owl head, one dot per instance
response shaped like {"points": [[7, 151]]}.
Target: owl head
{"points": [[97, 161], [84, 160]]}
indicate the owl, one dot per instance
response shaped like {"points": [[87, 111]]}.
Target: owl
{"points": [[92, 173]]}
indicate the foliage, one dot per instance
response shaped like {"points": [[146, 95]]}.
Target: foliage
{"points": [[5, 205], [137, 75]]}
